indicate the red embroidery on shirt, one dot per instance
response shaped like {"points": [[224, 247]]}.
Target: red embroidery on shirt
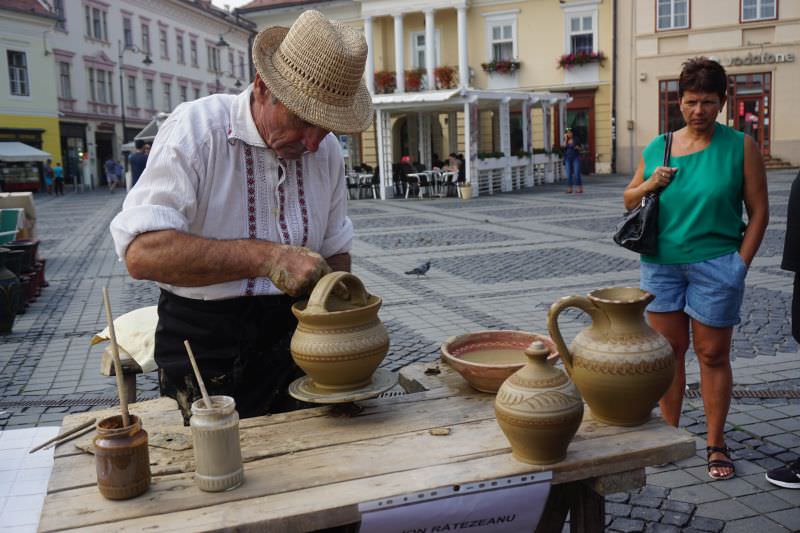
{"points": [[302, 199], [251, 206]]}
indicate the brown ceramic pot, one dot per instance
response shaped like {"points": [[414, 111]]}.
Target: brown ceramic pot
{"points": [[121, 458], [620, 364], [487, 358], [339, 340], [539, 409]]}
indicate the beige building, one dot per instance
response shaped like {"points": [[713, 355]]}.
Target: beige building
{"points": [[758, 43], [496, 46]]}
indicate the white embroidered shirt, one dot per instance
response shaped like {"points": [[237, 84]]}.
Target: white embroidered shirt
{"points": [[210, 174]]}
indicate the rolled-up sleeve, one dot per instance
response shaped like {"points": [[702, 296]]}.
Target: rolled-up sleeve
{"points": [[339, 230], [165, 197]]}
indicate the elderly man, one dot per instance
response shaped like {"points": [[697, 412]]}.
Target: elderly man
{"points": [[242, 208]]}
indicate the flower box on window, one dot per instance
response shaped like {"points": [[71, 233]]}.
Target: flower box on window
{"points": [[445, 77], [414, 79], [501, 66], [385, 82], [568, 61]]}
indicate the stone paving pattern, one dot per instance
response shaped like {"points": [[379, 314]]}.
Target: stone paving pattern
{"points": [[497, 263]]}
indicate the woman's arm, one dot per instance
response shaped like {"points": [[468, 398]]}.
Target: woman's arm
{"points": [[638, 187], [755, 200]]}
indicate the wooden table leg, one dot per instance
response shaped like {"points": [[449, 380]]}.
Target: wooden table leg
{"points": [[587, 509]]}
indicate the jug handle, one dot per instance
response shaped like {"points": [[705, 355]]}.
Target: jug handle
{"points": [[355, 291], [581, 302]]}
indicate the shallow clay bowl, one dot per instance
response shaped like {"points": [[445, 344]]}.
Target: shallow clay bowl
{"points": [[486, 358]]}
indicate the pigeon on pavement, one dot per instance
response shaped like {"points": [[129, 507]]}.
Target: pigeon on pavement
{"points": [[421, 270]]}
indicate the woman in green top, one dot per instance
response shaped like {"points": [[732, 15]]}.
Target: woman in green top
{"points": [[704, 247]]}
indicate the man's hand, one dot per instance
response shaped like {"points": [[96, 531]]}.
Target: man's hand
{"points": [[295, 270]]}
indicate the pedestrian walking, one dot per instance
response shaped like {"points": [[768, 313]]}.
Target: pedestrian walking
{"points": [[572, 162], [58, 176], [137, 161], [48, 177], [704, 247], [112, 179]]}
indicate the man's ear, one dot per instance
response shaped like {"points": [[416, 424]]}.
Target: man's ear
{"points": [[260, 88]]}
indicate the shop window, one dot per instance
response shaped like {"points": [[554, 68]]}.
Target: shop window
{"points": [[132, 99], [502, 41], [65, 82], [672, 14], [193, 52], [184, 93], [127, 32], [146, 37], [418, 49], [196, 93], [148, 94], [212, 53], [18, 73], [163, 46], [759, 10], [581, 34], [96, 23], [167, 96], [58, 9], [179, 48], [669, 110]]}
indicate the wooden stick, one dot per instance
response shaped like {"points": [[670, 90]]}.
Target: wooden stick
{"points": [[123, 398], [81, 433], [63, 435], [203, 390]]}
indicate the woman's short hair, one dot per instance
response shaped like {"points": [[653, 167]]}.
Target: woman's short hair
{"points": [[703, 75]]}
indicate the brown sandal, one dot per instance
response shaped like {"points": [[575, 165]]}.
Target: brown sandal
{"points": [[720, 463]]}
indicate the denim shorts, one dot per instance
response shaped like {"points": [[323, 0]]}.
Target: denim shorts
{"points": [[709, 291]]}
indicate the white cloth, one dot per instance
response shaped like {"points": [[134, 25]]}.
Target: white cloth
{"points": [[136, 334], [197, 181]]}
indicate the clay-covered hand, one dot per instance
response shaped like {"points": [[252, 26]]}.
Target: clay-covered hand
{"points": [[295, 269]]}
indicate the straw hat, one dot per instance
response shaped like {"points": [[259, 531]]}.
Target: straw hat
{"points": [[316, 69]]}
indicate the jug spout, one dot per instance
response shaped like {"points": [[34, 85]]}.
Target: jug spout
{"points": [[599, 318]]}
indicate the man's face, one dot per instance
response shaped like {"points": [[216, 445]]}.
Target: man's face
{"points": [[288, 135]]}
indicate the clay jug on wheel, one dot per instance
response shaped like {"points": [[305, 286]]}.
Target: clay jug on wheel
{"points": [[620, 365]]}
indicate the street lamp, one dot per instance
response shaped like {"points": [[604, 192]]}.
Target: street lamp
{"points": [[147, 61]]}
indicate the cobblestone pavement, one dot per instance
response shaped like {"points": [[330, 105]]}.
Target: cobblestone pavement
{"points": [[496, 262]]}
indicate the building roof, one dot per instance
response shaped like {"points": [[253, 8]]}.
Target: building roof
{"points": [[29, 7], [264, 5], [229, 17]]}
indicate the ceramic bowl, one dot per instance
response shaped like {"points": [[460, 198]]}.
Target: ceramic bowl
{"points": [[486, 358]]}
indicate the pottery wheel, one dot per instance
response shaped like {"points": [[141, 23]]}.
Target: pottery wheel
{"points": [[305, 390]]}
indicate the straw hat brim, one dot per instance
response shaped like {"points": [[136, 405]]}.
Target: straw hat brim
{"points": [[353, 118]]}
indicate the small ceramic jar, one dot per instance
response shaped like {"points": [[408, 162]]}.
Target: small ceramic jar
{"points": [[539, 409], [217, 451], [121, 458]]}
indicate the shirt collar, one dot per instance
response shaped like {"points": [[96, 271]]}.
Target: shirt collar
{"points": [[241, 125]]}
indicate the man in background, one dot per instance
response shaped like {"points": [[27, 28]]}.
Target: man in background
{"points": [[137, 160]]}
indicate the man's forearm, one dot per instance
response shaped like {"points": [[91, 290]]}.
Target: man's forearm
{"points": [[185, 260], [339, 262]]}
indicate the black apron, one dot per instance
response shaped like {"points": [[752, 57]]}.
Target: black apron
{"points": [[241, 346]]}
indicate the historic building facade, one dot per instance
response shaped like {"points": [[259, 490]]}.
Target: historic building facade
{"points": [[122, 62], [758, 43]]}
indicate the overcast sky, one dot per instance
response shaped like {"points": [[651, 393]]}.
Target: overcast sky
{"points": [[231, 3]]}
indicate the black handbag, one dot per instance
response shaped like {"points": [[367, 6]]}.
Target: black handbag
{"points": [[638, 230]]}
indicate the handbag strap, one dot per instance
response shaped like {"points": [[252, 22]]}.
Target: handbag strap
{"points": [[667, 154]]}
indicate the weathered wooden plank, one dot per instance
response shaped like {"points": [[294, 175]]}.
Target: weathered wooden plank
{"points": [[281, 434], [619, 482], [365, 463]]}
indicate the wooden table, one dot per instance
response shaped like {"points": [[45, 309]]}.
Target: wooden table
{"points": [[310, 469]]}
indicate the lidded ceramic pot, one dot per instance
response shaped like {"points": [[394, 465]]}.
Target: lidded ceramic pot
{"points": [[121, 458], [339, 340], [539, 409], [619, 363], [217, 449]]}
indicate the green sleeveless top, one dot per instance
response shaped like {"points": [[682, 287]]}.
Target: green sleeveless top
{"points": [[700, 212]]}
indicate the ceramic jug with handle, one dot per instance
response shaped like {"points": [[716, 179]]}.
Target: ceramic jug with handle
{"points": [[339, 340], [620, 364]]}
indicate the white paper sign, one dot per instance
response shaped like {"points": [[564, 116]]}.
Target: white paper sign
{"points": [[506, 505]]}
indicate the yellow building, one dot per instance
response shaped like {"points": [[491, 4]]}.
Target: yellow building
{"points": [[28, 104], [758, 43], [483, 45]]}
